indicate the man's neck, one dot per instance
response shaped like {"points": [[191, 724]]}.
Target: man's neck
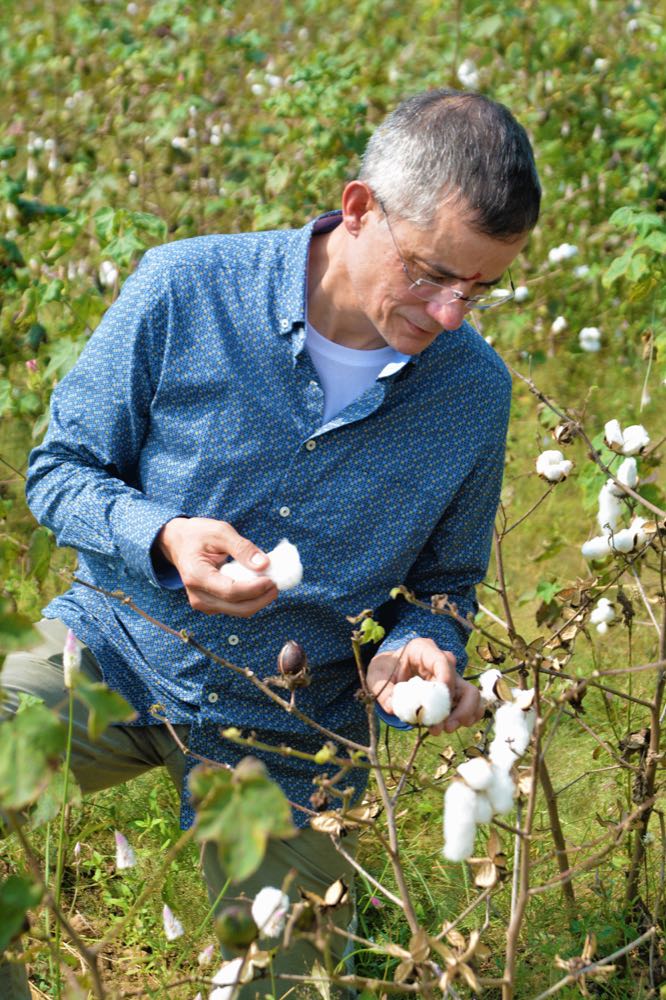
{"points": [[332, 306]]}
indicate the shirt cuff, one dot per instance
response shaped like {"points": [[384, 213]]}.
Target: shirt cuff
{"points": [[391, 720]]}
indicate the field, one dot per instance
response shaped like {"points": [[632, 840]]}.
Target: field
{"points": [[126, 125]]}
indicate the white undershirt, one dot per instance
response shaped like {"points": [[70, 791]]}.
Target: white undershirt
{"points": [[346, 372]]}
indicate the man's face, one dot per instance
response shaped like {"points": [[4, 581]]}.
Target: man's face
{"points": [[450, 253]]}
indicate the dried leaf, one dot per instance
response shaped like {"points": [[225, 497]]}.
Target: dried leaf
{"points": [[487, 875], [490, 654], [493, 846], [419, 946], [525, 783], [503, 690], [336, 894], [403, 971], [328, 822], [457, 939]]}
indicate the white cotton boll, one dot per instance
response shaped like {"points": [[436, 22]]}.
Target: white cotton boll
{"points": [[269, 911], [589, 339], [521, 293], [512, 735], [420, 702], [596, 548], [563, 252], [602, 628], [613, 435], [468, 74], [226, 980], [459, 821], [636, 438], [487, 682], [559, 325], [600, 65], [623, 541], [581, 271], [476, 773], [637, 527], [603, 613], [553, 466], [627, 474], [610, 509], [483, 808], [501, 791], [284, 567], [108, 274]]}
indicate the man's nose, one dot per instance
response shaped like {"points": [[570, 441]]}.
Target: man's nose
{"points": [[449, 315]]}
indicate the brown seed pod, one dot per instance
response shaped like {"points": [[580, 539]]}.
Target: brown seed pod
{"points": [[292, 659]]}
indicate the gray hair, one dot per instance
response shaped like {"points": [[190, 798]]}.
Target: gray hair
{"points": [[454, 146]]}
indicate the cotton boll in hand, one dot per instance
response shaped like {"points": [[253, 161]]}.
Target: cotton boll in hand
{"points": [[420, 702], [459, 821], [284, 567]]}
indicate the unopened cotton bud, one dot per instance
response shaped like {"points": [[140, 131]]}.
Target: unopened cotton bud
{"points": [[636, 438], [476, 773], [459, 821], [284, 567], [613, 435], [487, 682], [172, 926], [125, 856], [420, 702], [269, 911], [596, 548], [71, 659], [610, 509], [501, 790]]}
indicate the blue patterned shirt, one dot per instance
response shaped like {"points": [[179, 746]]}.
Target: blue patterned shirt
{"points": [[195, 397]]}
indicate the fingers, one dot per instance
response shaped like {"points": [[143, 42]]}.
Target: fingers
{"points": [[424, 658], [240, 548], [468, 708]]}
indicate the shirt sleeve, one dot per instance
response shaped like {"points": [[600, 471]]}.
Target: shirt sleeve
{"points": [[84, 480], [456, 556]]}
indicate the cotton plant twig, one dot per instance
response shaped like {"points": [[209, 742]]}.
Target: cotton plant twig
{"points": [[493, 617], [523, 517], [450, 613], [449, 926], [499, 566], [251, 742], [246, 672], [587, 970], [558, 834], [406, 771], [644, 598]]}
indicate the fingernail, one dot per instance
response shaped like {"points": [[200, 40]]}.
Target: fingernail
{"points": [[258, 559]]}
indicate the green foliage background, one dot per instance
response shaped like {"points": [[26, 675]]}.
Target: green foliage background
{"points": [[123, 125]]}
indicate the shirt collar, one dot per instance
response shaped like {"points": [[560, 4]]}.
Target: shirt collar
{"points": [[292, 292]]}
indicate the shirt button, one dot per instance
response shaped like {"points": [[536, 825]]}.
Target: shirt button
{"points": [[233, 640], [284, 512], [310, 445], [213, 697], [284, 324]]}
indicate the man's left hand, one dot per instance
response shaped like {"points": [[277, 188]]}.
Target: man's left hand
{"points": [[424, 658]]}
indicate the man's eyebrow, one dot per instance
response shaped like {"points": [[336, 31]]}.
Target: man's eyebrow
{"points": [[445, 273]]}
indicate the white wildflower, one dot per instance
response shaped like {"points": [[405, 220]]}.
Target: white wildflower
{"points": [[589, 339], [71, 659], [284, 567], [562, 252], [226, 979], [636, 439], [269, 911], [487, 682], [476, 772], [459, 821], [596, 548], [521, 293], [206, 956], [558, 325], [553, 466], [468, 74], [602, 615], [172, 926], [421, 702], [610, 508], [125, 856]]}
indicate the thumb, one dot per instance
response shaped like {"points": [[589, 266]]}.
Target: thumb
{"points": [[244, 551]]}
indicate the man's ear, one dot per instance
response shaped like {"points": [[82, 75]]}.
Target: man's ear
{"points": [[357, 202]]}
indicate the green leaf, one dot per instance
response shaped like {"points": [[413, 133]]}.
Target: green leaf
{"points": [[104, 220], [64, 353], [7, 152], [656, 240], [149, 223], [16, 632], [53, 291], [617, 268], [104, 705], [40, 549], [17, 896], [123, 248], [371, 631], [546, 590], [30, 747], [240, 810], [50, 801]]}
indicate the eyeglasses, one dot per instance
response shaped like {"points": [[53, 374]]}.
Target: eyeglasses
{"points": [[440, 292]]}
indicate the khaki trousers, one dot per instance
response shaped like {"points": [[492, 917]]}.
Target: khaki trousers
{"points": [[123, 752]]}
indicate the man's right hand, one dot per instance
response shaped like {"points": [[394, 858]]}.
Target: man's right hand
{"points": [[197, 547]]}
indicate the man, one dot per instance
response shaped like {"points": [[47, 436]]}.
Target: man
{"points": [[318, 384]]}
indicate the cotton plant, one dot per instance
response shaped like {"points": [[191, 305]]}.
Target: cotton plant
{"points": [[589, 339], [420, 702], [602, 615], [552, 466], [284, 567], [486, 786], [631, 441], [565, 251]]}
